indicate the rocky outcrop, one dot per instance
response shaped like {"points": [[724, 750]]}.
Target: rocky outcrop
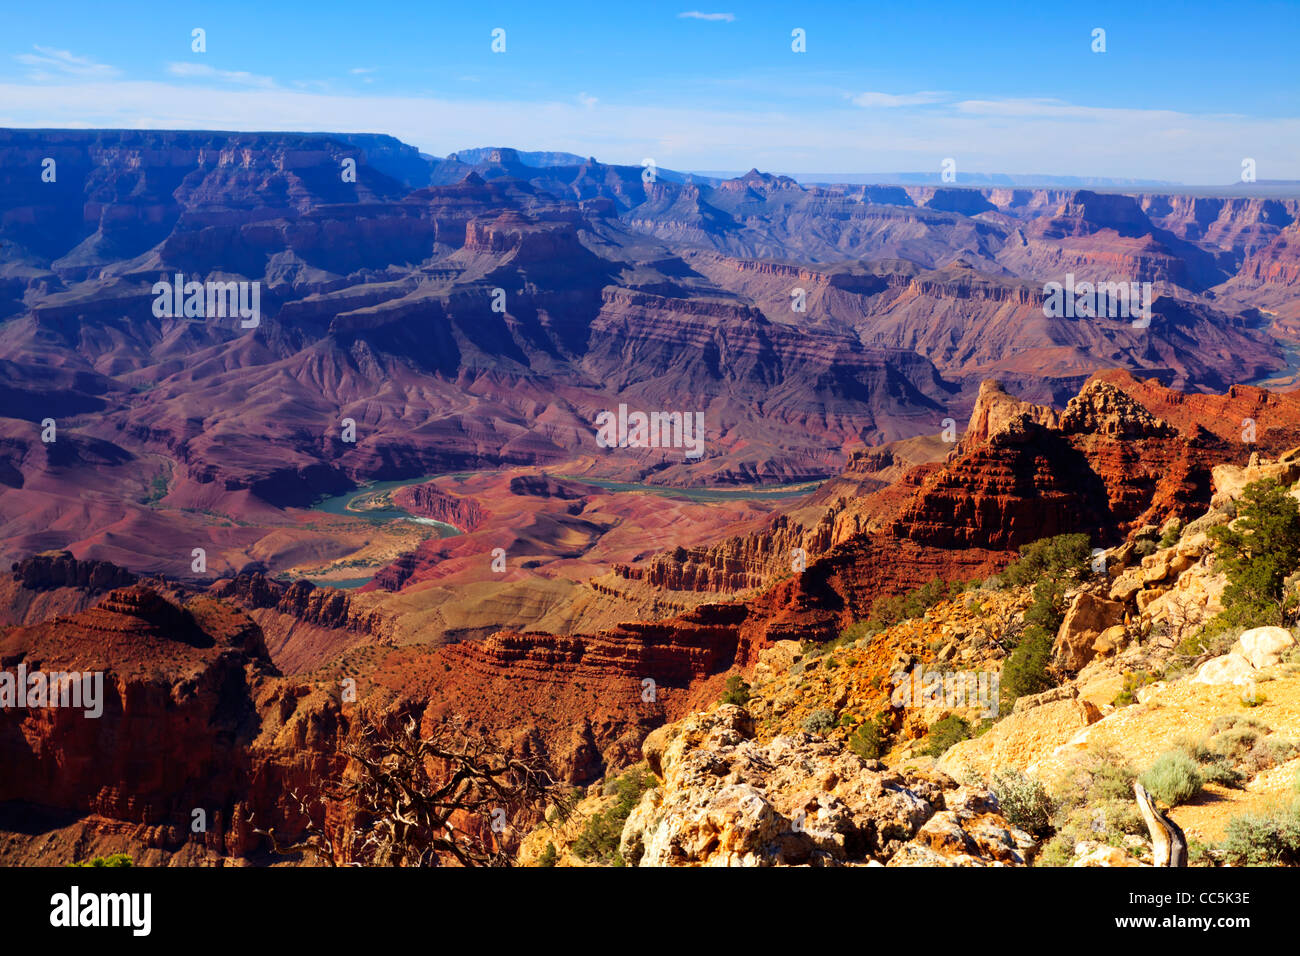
{"points": [[1231, 480], [727, 799], [59, 569], [1086, 620], [1104, 410], [1033, 732], [584, 702], [56, 583], [303, 601], [1276, 264], [1255, 650], [429, 501], [306, 626], [1103, 467], [195, 725], [735, 564], [996, 411], [1108, 465], [1240, 225], [515, 236]]}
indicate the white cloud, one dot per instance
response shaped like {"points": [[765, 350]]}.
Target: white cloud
{"points": [[49, 64], [203, 71], [716, 17], [891, 100], [359, 70], [587, 100]]}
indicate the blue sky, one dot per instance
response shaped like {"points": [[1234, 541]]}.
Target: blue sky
{"points": [[1184, 91]]}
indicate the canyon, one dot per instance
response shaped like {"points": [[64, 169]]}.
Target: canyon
{"points": [[885, 403], [259, 667]]}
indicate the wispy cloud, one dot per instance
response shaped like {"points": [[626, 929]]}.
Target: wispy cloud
{"points": [[587, 100], [892, 100], [359, 70], [716, 17], [205, 72], [829, 135], [49, 64], [1053, 109]]}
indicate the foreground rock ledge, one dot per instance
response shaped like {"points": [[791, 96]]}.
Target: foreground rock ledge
{"points": [[726, 799]]}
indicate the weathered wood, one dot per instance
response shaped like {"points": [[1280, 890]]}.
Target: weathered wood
{"points": [[1168, 844]]}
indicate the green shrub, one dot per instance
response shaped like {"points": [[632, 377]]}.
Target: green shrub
{"points": [[819, 722], [1058, 851], [1023, 800], [1095, 804], [1266, 754], [1223, 773], [1235, 742], [1252, 839], [1106, 821], [598, 841], [856, 631], [1174, 777], [1025, 670], [736, 692], [1259, 553], [1173, 533], [1108, 777], [1217, 757], [1230, 721], [889, 611], [944, 733], [1065, 555], [549, 856], [115, 859], [1053, 565], [871, 738], [1133, 682]]}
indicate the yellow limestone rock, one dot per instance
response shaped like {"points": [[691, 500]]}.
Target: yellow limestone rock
{"points": [[1021, 738], [1263, 646]]}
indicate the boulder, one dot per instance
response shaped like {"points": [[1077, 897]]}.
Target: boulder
{"points": [[775, 660], [1228, 669], [1147, 597], [1155, 567], [1105, 856], [1263, 646], [1109, 641], [1088, 616], [1257, 648], [1021, 738], [1117, 559], [1126, 585], [1030, 701], [1195, 597], [1230, 481]]}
